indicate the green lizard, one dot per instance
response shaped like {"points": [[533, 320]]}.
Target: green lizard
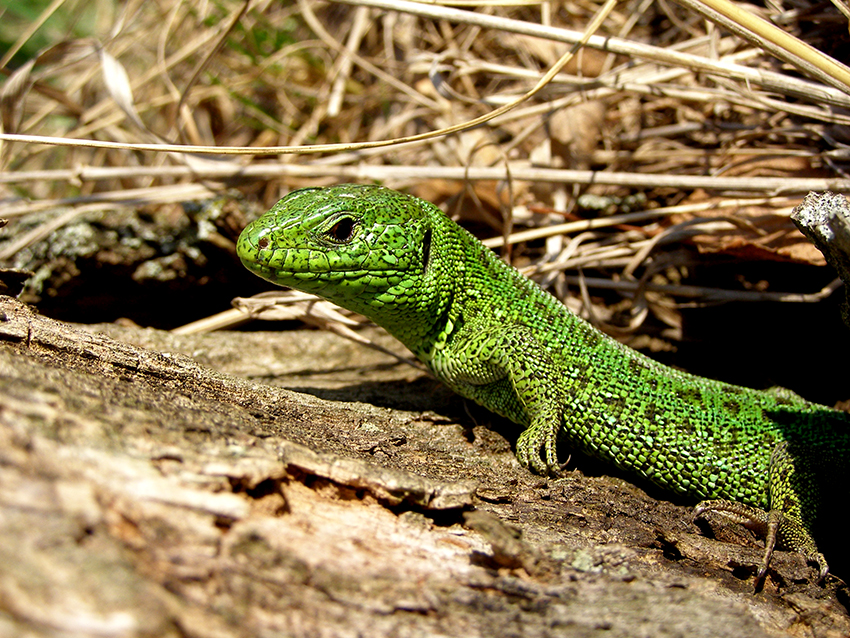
{"points": [[763, 458]]}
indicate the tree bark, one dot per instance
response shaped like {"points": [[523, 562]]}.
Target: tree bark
{"points": [[144, 493]]}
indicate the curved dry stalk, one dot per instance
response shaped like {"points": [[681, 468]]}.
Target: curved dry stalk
{"points": [[322, 148]]}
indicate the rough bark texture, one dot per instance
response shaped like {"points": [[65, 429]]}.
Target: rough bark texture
{"points": [[147, 493]]}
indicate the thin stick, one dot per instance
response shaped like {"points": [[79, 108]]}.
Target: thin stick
{"points": [[366, 172]]}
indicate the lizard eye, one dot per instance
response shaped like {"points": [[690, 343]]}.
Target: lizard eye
{"points": [[341, 231]]}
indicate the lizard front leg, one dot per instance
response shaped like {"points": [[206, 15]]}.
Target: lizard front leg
{"points": [[507, 370]]}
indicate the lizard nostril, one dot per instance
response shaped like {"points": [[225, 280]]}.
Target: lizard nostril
{"points": [[263, 243]]}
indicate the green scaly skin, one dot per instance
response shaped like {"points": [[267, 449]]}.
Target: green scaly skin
{"points": [[494, 336]]}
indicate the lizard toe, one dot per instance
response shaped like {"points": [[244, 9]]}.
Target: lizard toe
{"points": [[530, 450]]}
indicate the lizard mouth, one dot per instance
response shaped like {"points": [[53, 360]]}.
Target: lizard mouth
{"points": [[314, 275], [277, 275], [307, 264]]}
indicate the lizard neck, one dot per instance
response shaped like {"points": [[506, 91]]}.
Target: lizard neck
{"points": [[433, 310]]}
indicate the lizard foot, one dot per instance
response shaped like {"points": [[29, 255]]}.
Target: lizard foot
{"points": [[536, 450]]}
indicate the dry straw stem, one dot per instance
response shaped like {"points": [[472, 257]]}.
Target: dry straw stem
{"points": [[154, 194], [773, 39], [842, 7], [369, 172]]}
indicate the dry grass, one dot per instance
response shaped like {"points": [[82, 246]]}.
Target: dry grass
{"points": [[718, 138]]}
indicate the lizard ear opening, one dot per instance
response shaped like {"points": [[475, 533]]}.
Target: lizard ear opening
{"points": [[426, 249]]}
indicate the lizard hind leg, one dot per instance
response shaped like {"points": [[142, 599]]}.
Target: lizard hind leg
{"points": [[795, 494], [793, 506], [777, 528]]}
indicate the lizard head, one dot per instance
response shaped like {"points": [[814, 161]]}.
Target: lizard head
{"points": [[365, 247]]}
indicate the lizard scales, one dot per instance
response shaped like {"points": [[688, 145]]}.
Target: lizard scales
{"points": [[494, 336]]}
